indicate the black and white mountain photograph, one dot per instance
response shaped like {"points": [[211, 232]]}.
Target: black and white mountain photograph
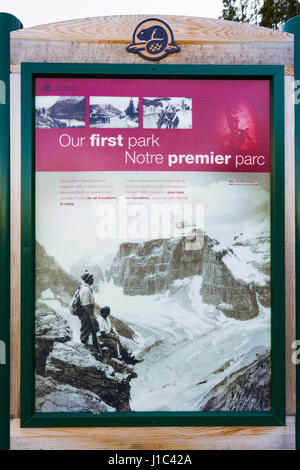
{"points": [[162, 323], [114, 112], [55, 112], [167, 113]]}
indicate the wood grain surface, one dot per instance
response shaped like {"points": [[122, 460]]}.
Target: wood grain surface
{"points": [[119, 29], [290, 284], [104, 39], [153, 438], [15, 243], [224, 54]]}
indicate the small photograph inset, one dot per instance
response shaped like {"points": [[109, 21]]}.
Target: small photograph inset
{"points": [[54, 112], [167, 113], [114, 112]]}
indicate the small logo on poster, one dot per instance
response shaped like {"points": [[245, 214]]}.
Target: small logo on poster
{"points": [[153, 39], [47, 88]]}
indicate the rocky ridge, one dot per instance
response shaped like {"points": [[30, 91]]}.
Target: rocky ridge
{"points": [[50, 275], [85, 262], [247, 389], [65, 369], [233, 286], [70, 108]]}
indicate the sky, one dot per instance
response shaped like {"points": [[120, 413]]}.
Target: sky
{"points": [[36, 12]]}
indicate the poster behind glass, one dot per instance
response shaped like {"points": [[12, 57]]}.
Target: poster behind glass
{"points": [[152, 245]]}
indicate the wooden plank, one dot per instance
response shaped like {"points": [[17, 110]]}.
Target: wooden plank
{"points": [[119, 28], [240, 53], [290, 243], [153, 438], [15, 240], [289, 70], [104, 39]]}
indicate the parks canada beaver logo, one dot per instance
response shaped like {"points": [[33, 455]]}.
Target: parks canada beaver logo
{"points": [[153, 40]]}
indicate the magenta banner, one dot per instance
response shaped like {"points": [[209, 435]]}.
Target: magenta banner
{"points": [[152, 125]]}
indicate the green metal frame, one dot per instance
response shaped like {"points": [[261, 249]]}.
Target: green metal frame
{"points": [[293, 26], [276, 417], [7, 23]]}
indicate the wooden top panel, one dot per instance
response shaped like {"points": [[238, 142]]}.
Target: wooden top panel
{"points": [[119, 29]]}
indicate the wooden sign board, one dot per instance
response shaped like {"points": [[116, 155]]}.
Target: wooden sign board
{"points": [[94, 125]]}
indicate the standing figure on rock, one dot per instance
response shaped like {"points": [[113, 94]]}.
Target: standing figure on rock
{"points": [[161, 119], [85, 312], [172, 118]]}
